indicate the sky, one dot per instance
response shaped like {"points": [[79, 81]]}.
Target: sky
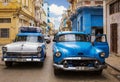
{"points": [[57, 7]]}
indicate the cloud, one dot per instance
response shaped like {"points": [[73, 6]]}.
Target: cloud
{"points": [[57, 10], [55, 20], [52, 19], [59, 18], [56, 14]]}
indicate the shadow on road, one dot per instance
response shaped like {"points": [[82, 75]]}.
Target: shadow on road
{"points": [[80, 76], [26, 66]]}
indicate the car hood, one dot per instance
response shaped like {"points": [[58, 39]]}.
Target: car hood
{"points": [[23, 47], [75, 48]]}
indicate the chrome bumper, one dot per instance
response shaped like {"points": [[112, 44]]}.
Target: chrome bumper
{"points": [[22, 59], [61, 64], [82, 68]]}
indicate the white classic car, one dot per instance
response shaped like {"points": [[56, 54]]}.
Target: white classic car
{"points": [[29, 46]]}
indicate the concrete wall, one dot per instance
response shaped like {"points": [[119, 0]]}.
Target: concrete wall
{"points": [[110, 19]]}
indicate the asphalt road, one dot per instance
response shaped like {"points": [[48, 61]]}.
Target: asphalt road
{"points": [[31, 72]]}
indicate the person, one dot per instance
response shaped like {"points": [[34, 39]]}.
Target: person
{"points": [[98, 37]]}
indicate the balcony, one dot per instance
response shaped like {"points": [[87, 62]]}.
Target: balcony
{"points": [[38, 5]]}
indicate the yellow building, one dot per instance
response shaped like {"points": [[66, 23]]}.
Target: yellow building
{"points": [[40, 15], [43, 23], [13, 14], [73, 4]]}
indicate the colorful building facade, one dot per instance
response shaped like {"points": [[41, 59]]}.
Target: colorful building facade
{"points": [[88, 20], [112, 24], [47, 11], [87, 15], [14, 14], [65, 24]]}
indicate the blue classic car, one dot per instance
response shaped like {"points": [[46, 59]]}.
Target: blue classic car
{"points": [[74, 51]]}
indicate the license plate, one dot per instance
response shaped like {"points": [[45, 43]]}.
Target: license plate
{"points": [[22, 60], [80, 68]]}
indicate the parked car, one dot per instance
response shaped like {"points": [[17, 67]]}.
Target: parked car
{"points": [[28, 46], [74, 51], [47, 38]]}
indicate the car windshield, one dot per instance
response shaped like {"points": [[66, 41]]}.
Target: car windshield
{"points": [[29, 38], [73, 38]]}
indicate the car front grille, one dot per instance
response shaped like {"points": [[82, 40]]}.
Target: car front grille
{"points": [[80, 62], [21, 54]]}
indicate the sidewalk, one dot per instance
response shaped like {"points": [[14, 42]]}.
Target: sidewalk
{"points": [[114, 61]]}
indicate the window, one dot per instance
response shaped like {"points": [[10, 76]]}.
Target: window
{"points": [[5, 20], [6, 1], [98, 2], [4, 33], [115, 7], [73, 38], [29, 39], [87, 2]]}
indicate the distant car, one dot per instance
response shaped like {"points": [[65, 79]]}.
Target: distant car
{"points": [[47, 38], [74, 51], [29, 46]]}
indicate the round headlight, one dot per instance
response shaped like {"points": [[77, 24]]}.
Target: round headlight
{"points": [[39, 49], [102, 54], [39, 55], [4, 49], [58, 54]]}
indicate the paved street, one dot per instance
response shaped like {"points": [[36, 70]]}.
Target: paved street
{"points": [[28, 72]]}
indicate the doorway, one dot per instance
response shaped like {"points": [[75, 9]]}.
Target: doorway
{"points": [[97, 30], [113, 36]]}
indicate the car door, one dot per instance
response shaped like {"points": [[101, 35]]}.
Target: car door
{"points": [[100, 41]]}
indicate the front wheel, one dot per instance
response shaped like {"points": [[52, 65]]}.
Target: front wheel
{"points": [[56, 71], [8, 64], [40, 64], [99, 72]]}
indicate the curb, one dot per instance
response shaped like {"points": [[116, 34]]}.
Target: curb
{"points": [[113, 67]]}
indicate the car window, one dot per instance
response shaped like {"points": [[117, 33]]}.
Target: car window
{"points": [[29, 38], [100, 39], [73, 37]]}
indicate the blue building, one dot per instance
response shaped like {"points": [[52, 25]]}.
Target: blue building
{"points": [[88, 20]]}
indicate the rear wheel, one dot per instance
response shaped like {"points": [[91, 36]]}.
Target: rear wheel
{"points": [[8, 64]]}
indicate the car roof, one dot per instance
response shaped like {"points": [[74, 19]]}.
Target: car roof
{"points": [[70, 32], [29, 34]]}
